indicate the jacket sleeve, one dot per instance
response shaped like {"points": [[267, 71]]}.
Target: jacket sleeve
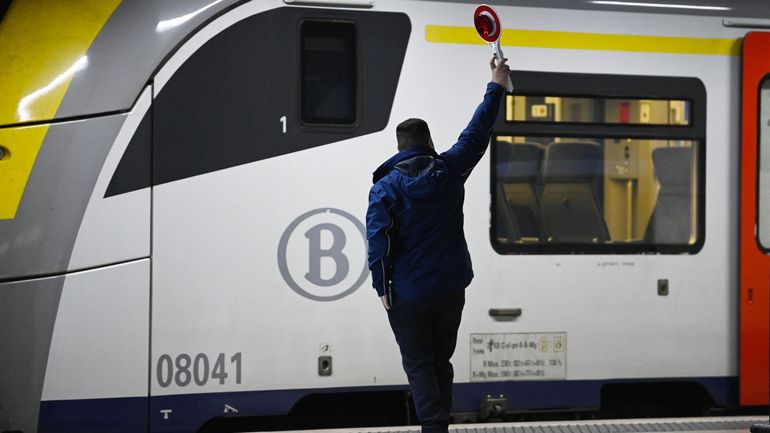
{"points": [[473, 141], [379, 222]]}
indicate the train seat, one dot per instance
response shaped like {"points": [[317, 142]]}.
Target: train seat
{"points": [[506, 229], [572, 211], [517, 187], [671, 220]]}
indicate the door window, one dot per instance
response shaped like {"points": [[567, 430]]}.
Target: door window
{"points": [[763, 188]]}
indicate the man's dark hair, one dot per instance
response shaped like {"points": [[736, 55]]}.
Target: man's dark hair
{"points": [[413, 133]]}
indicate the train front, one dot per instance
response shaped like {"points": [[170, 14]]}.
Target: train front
{"points": [[74, 265]]}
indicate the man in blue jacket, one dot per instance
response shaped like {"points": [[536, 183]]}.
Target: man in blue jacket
{"points": [[418, 256]]}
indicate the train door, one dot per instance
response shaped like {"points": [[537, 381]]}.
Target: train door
{"points": [[755, 221], [253, 139]]}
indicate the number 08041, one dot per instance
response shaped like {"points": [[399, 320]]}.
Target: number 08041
{"points": [[186, 369]]}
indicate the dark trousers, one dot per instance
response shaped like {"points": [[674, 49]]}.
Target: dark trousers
{"points": [[426, 333]]}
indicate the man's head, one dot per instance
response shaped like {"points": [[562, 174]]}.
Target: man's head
{"points": [[413, 133]]}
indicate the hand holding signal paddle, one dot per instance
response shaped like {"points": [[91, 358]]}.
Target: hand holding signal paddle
{"points": [[489, 28]]}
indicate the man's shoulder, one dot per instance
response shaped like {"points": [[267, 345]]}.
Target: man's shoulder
{"points": [[386, 184], [388, 178]]}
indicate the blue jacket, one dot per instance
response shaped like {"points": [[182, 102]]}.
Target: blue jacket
{"points": [[414, 223]]}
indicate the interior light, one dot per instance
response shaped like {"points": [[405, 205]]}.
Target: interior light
{"points": [[660, 5]]}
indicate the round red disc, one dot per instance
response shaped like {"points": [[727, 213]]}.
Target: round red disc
{"points": [[487, 23]]}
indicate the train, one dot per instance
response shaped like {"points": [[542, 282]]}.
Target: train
{"points": [[183, 190]]}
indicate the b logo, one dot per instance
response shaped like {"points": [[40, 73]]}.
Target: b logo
{"points": [[324, 254]]}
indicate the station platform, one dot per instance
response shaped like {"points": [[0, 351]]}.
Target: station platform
{"points": [[649, 425]]}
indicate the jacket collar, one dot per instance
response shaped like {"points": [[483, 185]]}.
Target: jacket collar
{"points": [[405, 154]]}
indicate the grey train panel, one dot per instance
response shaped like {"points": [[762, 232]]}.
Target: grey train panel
{"points": [[27, 315], [122, 59], [129, 48], [39, 241], [222, 107]]}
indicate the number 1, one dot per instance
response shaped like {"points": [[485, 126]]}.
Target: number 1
{"points": [[283, 123], [236, 359]]}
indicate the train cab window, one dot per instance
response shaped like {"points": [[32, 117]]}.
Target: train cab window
{"points": [[618, 172], [328, 72], [763, 188]]}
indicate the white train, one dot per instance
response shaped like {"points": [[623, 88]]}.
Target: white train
{"points": [[183, 188]]}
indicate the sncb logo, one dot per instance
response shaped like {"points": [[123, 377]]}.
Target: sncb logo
{"points": [[322, 254]]}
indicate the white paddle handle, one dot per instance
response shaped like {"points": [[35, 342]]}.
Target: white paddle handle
{"points": [[499, 54]]}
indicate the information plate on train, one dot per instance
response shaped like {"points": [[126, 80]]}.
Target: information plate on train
{"points": [[518, 356]]}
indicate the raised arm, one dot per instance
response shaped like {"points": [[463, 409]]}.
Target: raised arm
{"points": [[473, 141]]}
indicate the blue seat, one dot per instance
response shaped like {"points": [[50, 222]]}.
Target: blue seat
{"points": [[520, 186], [572, 211], [671, 220], [519, 216]]}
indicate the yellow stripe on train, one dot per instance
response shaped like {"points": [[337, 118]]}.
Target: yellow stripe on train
{"points": [[43, 44], [589, 41]]}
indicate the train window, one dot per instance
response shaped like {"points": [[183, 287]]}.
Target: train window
{"points": [[594, 177], [540, 108], [763, 188], [328, 72]]}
